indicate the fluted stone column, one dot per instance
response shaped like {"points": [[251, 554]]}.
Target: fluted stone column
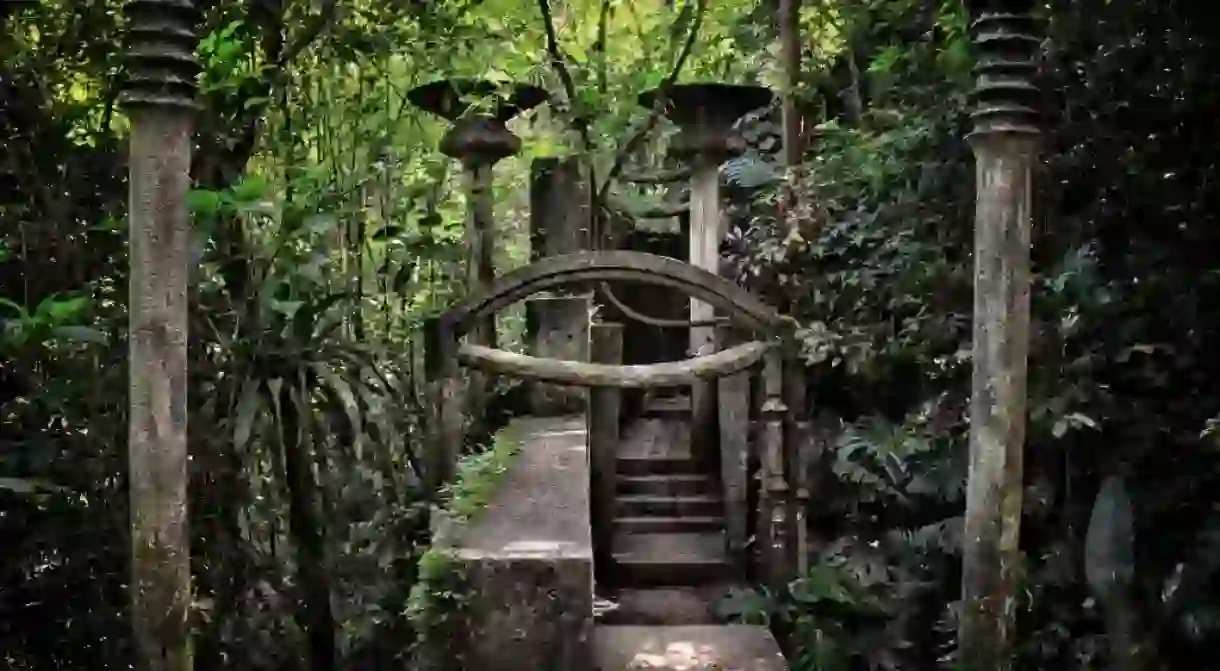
{"points": [[158, 97], [1006, 143]]}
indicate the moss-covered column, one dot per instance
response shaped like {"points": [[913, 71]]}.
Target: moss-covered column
{"points": [[159, 99], [1005, 141]]}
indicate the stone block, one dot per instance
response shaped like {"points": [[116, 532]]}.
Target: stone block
{"points": [[559, 329], [526, 562]]}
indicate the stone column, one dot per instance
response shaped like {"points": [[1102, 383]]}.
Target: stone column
{"points": [[557, 323], [705, 114], [734, 417], [605, 406], [1006, 142], [561, 323], [159, 99], [775, 515], [479, 139], [560, 221]]}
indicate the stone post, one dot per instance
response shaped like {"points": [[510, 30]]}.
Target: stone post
{"points": [[605, 406], [562, 326], [557, 324], [159, 100], [1006, 142], [774, 508], [705, 114], [560, 221], [479, 139], [734, 418], [443, 407]]}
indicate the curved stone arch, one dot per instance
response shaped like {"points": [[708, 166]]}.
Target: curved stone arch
{"points": [[625, 266]]}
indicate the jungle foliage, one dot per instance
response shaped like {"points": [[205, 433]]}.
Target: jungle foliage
{"points": [[328, 228]]}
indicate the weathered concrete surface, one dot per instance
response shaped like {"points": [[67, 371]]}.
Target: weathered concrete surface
{"points": [[690, 648], [661, 606], [560, 330], [527, 560]]}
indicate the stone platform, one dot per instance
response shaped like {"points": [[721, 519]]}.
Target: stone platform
{"points": [[527, 560]]}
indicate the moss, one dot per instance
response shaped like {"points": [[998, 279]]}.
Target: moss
{"points": [[479, 476], [434, 608], [439, 596]]}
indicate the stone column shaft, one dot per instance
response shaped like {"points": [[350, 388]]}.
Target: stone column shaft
{"points": [[1005, 141], [158, 97]]}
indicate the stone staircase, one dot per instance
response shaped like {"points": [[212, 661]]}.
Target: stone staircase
{"points": [[669, 563], [669, 517]]}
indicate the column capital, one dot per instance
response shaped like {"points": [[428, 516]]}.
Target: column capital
{"points": [[479, 111], [705, 114], [1005, 96], [161, 55]]}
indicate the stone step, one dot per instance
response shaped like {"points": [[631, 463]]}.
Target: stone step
{"points": [[666, 485], [674, 559], [671, 574], [665, 605], [642, 505], [632, 466], [668, 407], [731, 647], [668, 525]]}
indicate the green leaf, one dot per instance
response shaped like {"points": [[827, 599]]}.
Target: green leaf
{"points": [[17, 309], [205, 202], [82, 334], [26, 486], [309, 324], [56, 310], [343, 391], [823, 583], [247, 406], [250, 189], [1109, 563], [1079, 419]]}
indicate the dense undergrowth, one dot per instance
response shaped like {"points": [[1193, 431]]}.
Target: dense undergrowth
{"points": [[329, 228]]}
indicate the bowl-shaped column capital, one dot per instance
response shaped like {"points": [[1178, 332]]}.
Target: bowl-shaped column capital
{"points": [[705, 113]]}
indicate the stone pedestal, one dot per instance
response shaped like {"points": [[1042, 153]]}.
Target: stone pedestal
{"points": [[705, 114], [479, 138]]}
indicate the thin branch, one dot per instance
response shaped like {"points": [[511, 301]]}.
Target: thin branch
{"points": [[654, 116], [559, 64], [321, 21], [602, 19]]}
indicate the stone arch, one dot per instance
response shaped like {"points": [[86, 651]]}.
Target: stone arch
{"points": [[621, 266], [580, 268]]}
